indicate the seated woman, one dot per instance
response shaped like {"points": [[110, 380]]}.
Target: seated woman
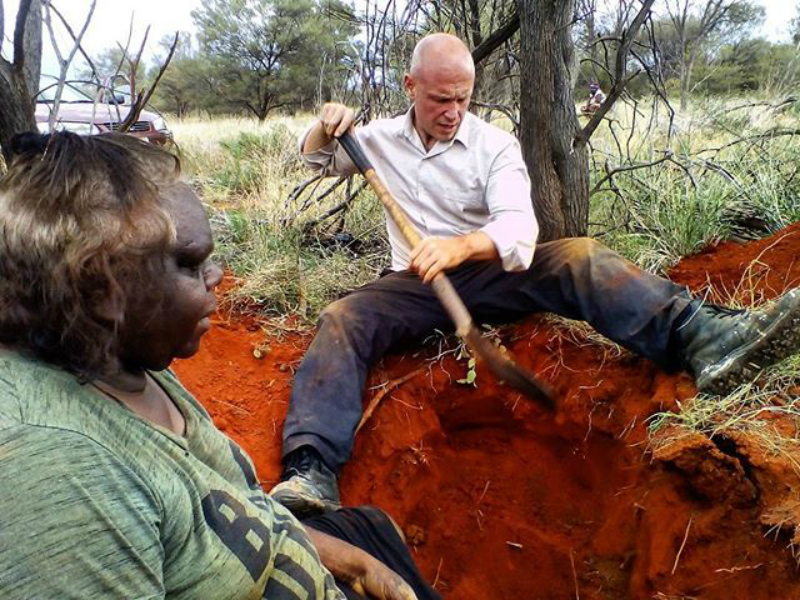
{"points": [[114, 482]]}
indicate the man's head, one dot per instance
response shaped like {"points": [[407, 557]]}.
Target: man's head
{"points": [[593, 87], [439, 84]]}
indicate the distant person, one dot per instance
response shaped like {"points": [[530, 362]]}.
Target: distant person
{"points": [[465, 187], [596, 99], [114, 481]]}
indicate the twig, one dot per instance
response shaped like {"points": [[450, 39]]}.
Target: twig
{"points": [[389, 386], [438, 572], [574, 574], [683, 544]]}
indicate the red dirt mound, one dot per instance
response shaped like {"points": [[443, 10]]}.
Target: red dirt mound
{"points": [[500, 499]]}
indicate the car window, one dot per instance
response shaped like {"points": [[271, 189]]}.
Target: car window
{"points": [[71, 92]]}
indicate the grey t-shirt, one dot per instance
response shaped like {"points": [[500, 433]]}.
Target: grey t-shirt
{"points": [[96, 502]]}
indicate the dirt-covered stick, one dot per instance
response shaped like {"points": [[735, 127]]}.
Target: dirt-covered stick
{"points": [[500, 364]]}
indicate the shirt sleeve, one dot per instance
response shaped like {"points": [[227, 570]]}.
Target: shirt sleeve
{"points": [[75, 522], [330, 159], [512, 225]]}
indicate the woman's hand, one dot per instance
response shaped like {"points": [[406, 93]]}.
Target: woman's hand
{"points": [[364, 573]]}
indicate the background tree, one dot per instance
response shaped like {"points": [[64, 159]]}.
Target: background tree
{"points": [[19, 76], [268, 54], [548, 123], [188, 85], [699, 26]]}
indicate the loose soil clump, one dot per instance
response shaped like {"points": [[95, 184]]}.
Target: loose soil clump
{"points": [[501, 499]]}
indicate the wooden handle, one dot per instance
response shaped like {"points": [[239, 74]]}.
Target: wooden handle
{"points": [[442, 286], [502, 366]]}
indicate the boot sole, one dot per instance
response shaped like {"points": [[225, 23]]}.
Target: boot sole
{"points": [[303, 506], [778, 342]]}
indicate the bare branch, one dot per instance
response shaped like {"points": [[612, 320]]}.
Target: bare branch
{"points": [[63, 63], [75, 39], [2, 25], [336, 209], [143, 99], [620, 80], [496, 39], [19, 34]]}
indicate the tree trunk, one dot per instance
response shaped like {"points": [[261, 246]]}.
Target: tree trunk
{"points": [[548, 122], [19, 80]]}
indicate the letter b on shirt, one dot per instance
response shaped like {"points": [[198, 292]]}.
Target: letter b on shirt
{"points": [[246, 537]]}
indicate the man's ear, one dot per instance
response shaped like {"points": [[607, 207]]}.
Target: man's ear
{"points": [[410, 85]]}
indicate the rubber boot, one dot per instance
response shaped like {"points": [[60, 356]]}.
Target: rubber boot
{"points": [[726, 348], [308, 487]]}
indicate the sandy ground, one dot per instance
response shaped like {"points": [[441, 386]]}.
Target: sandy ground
{"points": [[501, 499]]}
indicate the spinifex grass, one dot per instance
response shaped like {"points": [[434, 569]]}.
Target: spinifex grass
{"points": [[751, 408], [245, 176]]}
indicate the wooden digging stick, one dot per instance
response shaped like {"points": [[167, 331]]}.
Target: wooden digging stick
{"points": [[499, 363]]}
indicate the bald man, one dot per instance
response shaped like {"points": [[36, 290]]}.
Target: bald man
{"points": [[464, 186]]}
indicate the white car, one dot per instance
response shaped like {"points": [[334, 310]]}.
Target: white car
{"points": [[80, 113]]}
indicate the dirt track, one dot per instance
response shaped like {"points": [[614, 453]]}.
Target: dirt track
{"points": [[502, 500]]}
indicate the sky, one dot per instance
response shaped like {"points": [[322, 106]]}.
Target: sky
{"points": [[112, 20]]}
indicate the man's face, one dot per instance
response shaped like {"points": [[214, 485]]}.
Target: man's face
{"points": [[441, 96], [170, 315]]}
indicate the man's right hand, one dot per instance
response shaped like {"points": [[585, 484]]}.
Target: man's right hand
{"points": [[334, 120]]}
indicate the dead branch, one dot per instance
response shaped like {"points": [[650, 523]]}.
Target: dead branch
{"points": [[336, 209], [388, 387], [143, 99], [63, 62], [19, 34], [2, 25], [496, 39], [611, 172], [315, 200], [301, 187], [769, 134], [621, 79]]}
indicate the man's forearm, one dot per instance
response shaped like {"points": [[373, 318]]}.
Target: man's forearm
{"points": [[479, 246], [316, 139]]}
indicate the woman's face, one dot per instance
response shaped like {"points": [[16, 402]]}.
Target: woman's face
{"points": [[166, 320]]}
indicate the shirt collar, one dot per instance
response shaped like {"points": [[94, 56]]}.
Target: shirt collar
{"points": [[462, 135]]}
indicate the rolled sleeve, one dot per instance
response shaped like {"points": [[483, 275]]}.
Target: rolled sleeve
{"points": [[512, 226], [331, 159]]}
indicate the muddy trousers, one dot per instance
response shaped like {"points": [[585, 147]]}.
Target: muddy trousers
{"points": [[577, 278]]}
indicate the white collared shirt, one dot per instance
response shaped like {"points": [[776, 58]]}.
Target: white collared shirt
{"points": [[475, 182]]}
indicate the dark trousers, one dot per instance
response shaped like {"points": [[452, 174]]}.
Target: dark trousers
{"points": [[577, 278], [369, 528]]}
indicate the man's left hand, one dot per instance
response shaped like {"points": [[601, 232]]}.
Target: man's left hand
{"points": [[434, 255]]}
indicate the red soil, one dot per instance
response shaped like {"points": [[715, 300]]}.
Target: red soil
{"points": [[500, 499]]}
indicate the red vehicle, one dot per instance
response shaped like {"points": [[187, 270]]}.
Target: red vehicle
{"points": [[80, 113]]}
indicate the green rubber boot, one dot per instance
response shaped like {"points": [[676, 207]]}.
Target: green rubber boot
{"points": [[726, 348]]}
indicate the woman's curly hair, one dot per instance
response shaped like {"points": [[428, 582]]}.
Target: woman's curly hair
{"points": [[81, 219]]}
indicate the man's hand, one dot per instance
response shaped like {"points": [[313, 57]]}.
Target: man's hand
{"points": [[381, 583], [334, 120], [434, 255], [364, 573]]}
